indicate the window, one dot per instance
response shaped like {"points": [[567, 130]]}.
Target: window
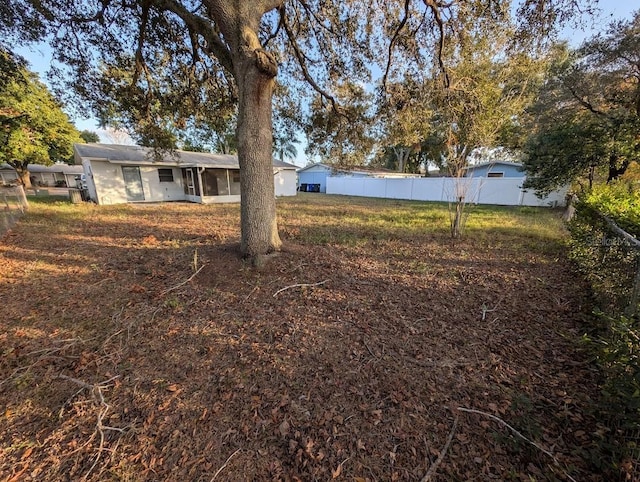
{"points": [[495, 174], [235, 176], [165, 175]]}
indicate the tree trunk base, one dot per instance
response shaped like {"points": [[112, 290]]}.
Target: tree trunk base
{"points": [[260, 261]]}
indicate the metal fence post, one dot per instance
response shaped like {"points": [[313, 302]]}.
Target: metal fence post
{"points": [[632, 309]]}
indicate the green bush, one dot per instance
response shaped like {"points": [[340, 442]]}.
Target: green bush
{"points": [[620, 201], [610, 264]]}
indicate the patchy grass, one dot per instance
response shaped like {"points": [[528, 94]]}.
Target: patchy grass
{"points": [[137, 346]]}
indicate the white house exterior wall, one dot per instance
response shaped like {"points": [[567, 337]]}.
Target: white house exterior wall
{"points": [[105, 182], [156, 191], [233, 198], [108, 183]]}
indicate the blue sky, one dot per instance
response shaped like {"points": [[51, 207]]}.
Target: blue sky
{"points": [[39, 57]]}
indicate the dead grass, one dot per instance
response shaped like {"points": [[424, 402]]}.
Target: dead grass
{"points": [[116, 368]]}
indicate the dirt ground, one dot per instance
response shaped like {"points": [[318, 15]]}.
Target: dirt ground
{"points": [[137, 345]]}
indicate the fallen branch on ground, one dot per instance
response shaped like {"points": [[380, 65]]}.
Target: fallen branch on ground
{"points": [[46, 354], [184, 282], [225, 464], [443, 452], [300, 285], [96, 391], [505, 424]]}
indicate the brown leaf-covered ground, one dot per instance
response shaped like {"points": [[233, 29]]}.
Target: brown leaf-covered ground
{"points": [[137, 345]]}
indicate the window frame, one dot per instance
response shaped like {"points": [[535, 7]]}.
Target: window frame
{"points": [[164, 176]]}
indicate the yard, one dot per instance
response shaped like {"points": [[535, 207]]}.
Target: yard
{"points": [[136, 345]]}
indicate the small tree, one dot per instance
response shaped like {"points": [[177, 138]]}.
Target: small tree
{"points": [[484, 89]]}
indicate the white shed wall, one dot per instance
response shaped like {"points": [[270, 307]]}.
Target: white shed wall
{"points": [[315, 175], [105, 183]]}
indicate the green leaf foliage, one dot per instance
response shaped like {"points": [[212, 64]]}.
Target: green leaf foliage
{"points": [[33, 127], [89, 136], [611, 264], [587, 117]]}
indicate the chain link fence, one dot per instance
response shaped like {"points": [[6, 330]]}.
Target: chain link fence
{"points": [[13, 204]]}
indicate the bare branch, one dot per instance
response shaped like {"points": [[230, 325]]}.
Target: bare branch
{"points": [[300, 285], [204, 27], [225, 464], [443, 452], [184, 282], [275, 33], [585, 103], [403, 22], [435, 7], [303, 65], [502, 422]]}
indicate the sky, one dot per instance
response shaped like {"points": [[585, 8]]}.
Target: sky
{"points": [[39, 57]]}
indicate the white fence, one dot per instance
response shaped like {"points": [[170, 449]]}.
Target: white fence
{"points": [[503, 191]]}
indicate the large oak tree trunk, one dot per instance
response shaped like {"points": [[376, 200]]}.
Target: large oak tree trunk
{"points": [[255, 80]]}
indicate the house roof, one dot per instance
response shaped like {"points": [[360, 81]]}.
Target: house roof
{"points": [[124, 154], [315, 164], [64, 168], [58, 167], [494, 163]]}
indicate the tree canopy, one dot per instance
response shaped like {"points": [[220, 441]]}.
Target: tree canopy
{"points": [[34, 128], [89, 136], [587, 116], [156, 66]]}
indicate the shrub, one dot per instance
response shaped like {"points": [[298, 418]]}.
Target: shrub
{"points": [[611, 264]]}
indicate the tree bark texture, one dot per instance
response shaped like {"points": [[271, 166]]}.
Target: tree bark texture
{"points": [[255, 71]]}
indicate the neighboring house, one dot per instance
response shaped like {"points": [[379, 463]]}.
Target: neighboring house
{"points": [[313, 178], [117, 174], [56, 175], [8, 175], [496, 169]]}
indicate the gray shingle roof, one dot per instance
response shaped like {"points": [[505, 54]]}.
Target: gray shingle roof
{"points": [[63, 168], [144, 155]]}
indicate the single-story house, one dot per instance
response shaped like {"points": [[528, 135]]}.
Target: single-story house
{"points": [[55, 175], [496, 169], [117, 174], [313, 178]]}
